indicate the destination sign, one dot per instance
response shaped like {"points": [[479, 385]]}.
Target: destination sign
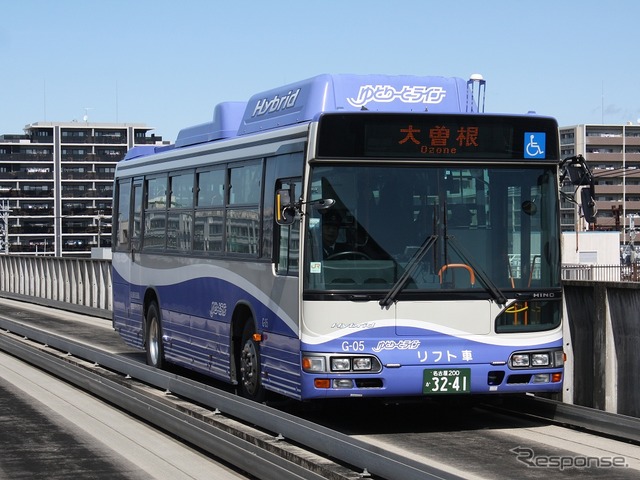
{"points": [[438, 136]]}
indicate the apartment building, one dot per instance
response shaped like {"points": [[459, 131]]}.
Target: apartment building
{"points": [[56, 185], [613, 155]]}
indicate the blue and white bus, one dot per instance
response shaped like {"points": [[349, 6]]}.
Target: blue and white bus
{"points": [[348, 236]]}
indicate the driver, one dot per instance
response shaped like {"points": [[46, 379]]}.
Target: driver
{"points": [[331, 222]]}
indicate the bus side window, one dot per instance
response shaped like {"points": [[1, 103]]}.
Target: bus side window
{"points": [[136, 228], [124, 212], [245, 184], [208, 227], [210, 188], [242, 222], [155, 215], [180, 216], [288, 250]]}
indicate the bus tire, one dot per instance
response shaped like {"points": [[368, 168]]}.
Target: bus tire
{"points": [[153, 340], [250, 380]]}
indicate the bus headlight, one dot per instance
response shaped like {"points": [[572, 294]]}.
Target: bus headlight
{"points": [[361, 363], [519, 360], [540, 360], [340, 364]]}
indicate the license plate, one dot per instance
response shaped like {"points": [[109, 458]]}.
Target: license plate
{"points": [[446, 381]]}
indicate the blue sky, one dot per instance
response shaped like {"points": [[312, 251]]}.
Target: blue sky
{"points": [[167, 63]]}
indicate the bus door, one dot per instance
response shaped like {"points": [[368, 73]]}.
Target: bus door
{"points": [[135, 283], [287, 254], [126, 251], [123, 241]]}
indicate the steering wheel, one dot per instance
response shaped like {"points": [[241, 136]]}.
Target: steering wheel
{"points": [[350, 253]]}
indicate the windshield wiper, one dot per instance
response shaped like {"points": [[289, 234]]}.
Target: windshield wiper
{"points": [[486, 281], [390, 297]]}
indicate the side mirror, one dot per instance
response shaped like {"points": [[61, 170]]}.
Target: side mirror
{"points": [[285, 209], [588, 205], [579, 174], [581, 177]]}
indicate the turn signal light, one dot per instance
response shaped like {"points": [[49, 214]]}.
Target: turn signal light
{"points": [[322, 383]]}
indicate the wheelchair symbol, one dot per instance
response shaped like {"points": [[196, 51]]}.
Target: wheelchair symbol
{"points": [[533, 148]]}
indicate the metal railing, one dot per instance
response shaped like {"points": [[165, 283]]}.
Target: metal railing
{"points": [[79, 281], [602, 273]]}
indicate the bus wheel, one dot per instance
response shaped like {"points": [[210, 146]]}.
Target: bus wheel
{"points": [[250, 384], [153, 343]]}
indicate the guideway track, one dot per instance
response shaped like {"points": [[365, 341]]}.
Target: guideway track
{"points": [[52, 430], [624, 428], [399, 442], [213, 426]]}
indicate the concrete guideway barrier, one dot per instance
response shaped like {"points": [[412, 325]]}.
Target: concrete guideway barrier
{"points": [[80, 281], [602, 328]]}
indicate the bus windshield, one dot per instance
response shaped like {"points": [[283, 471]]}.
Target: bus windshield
{"points": [[474, 227]]}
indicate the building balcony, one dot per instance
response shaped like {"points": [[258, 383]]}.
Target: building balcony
{"points": [[76, 244], [93, 158], [78, 175], [66, 158], [632, 206], [99, 140], [593, 158], [78, 211], [617, 190], [69, 193], [31, 212], [604, 140], [26, 175], [147, 140], [90, 175], [31, 229], [592, 140], [25, 157], [103, 229], [108, 158], [17, 192], [79, 229], [38, 247], [41, 139]]}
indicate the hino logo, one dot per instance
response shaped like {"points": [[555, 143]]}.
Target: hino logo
{"points": [[543, 295], [275, 104], [406, 94]]}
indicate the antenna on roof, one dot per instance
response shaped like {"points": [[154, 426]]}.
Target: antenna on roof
{"points": [[476, 86], [85, 118]]}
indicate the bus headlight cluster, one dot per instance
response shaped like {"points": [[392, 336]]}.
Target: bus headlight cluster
{"points": [[348, 364], [318, 363], [540, 359], [531, 360]]}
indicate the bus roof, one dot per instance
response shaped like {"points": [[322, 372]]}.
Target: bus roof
{"points": [[303, 101]]}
